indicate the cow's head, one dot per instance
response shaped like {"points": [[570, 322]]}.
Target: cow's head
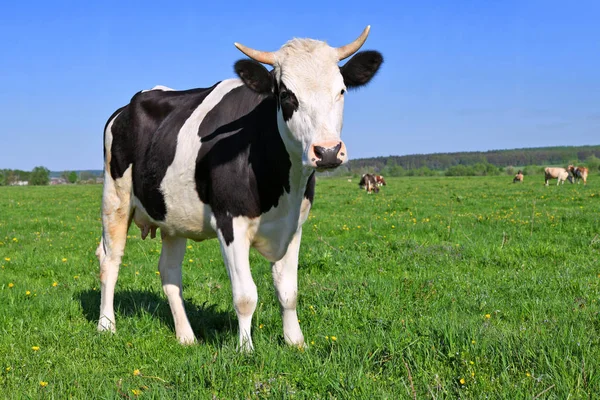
{"points": [[310, 87]]}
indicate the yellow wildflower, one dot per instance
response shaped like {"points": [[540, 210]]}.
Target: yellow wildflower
{"points": [[6, 258], [157, 272], [55, 284], [11, 285], [15, 240], [8, 369], [27, 293], [462, 381], [64, 260], [488, 316], [333, 338], [35, 348], [136, 392], [43, 384], [76, 277], [260, 326], [136, 372]]}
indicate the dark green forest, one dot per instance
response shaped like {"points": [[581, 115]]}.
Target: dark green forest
{"points": [[493, 162]]}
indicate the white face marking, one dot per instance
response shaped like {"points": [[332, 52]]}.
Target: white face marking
{"points": [[309, 69]]}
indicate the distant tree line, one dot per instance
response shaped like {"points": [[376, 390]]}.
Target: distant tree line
{"points": [[531, 161], [38, 176], [41, 176]]}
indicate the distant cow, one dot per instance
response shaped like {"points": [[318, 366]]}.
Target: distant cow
{"points": [[579, 173], [369, 183], [518, 177], [235, 161], [560, 174], [380, 181]]}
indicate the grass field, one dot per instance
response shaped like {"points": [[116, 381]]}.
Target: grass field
{"points": [[434, 288]]}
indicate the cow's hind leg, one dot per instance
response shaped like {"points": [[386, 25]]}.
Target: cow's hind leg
{"points": [[171, 257], [116, 217], [236, 255], [285, 279]]}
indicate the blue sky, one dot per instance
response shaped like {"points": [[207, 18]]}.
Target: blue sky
{"points": [[458, 75]]}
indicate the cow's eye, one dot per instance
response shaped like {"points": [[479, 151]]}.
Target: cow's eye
{"points": [[343, 91]]}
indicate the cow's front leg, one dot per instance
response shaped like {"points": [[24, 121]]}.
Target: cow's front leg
{"points": [[236, 251], [285, 279]]}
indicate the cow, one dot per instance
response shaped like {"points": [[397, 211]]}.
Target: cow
{"points": [[380, 181], [235, 161], [518, 177], [560, 174], [369, 183], [579, 173]]}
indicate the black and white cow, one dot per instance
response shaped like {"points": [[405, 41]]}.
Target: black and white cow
{"points": [[235, 161]]}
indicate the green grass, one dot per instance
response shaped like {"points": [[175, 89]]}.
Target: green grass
{"points": [[431, 283]]}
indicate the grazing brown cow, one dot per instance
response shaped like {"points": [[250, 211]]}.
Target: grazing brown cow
{"points": [[380, 181], [369, 183], [579, 173], [560, 174], [518, 177]]}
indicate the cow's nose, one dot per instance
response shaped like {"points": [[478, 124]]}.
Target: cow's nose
{"points": [[327, 154]]}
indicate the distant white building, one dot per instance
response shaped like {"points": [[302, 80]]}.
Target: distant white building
{"points": [[58, 181]]}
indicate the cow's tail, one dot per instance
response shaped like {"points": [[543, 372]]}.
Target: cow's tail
{"points": [[116, 214]]}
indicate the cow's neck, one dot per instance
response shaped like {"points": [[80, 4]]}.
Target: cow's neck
{"points": [[299, 174]]}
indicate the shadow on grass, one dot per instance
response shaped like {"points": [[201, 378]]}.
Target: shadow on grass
{"points": [[206, 321]]}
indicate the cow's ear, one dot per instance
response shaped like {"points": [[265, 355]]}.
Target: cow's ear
{"points": [[361, 68], [255, 76]]}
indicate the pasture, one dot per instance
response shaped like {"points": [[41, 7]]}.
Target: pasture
{"points": [[433, 288]]}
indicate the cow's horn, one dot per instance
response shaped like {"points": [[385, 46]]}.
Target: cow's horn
{"points": [[351, 48], [264, 57]]}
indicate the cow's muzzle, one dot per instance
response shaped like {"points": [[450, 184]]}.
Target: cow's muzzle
{"points": [[327, 154]]}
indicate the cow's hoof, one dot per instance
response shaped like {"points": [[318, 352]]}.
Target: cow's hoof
{"points": [[187, 340], [106, 325]]}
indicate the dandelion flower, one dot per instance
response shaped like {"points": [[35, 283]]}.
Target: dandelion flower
{"points": [[260, 326], [527, 373], [157, 272], [8, 369], [189, 247], [43, 383], [136, 372], [333, 338], [15, 240], [54, 284], [27, 293], [488, 316], [191, 260], [136, 392], [76, 277], [35, 348], [6, 258], [462, 381], [11, 285], [64, 260]]}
